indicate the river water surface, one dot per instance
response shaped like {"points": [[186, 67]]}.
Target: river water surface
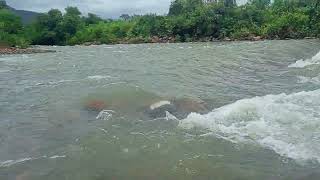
{"points": [[263, 123]]}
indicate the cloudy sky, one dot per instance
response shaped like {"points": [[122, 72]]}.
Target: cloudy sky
{"points": [[104, 8]]}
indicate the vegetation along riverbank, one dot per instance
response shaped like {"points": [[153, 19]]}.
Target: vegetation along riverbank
{"points": [[186, 21]]}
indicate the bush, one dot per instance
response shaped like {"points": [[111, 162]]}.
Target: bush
{"points": [[289, 25]]}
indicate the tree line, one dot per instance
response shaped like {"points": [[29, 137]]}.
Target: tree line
{"points": [[187, 20]]}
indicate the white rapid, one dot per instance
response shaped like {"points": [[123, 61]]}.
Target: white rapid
{"points": [[303, 63], [287, 124]]}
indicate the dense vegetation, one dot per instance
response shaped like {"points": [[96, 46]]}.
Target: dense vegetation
{"points": [[187, 20]]}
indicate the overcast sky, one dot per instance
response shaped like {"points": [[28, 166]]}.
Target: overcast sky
{"points": [[104, 8]]}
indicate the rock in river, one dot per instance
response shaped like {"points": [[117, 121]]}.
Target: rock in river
{"points": [[180, 108]]}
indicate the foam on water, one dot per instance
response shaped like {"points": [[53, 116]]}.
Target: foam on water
{"points": [[287, 124], [105, 115], [313, 80], [99, 77], [303, 63], [9, 163]]}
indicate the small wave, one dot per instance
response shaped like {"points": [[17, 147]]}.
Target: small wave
{"points": [[119, 51], [13, 162], [98, 77], [9, 163], [57, 156], [287, 124], [105, 115], [303, 63], [313, 80], [53, 83]]}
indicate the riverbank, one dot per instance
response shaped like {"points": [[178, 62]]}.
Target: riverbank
{"points": [[152, 40], [156, 39], [12, 50]]}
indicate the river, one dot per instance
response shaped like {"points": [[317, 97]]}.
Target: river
{"points": [[263, 120]]}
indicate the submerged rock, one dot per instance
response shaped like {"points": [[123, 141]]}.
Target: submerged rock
{"points": [[135, 102], [121, 98], [185, 106], [179, 108], [160, 108], [95, 105]]}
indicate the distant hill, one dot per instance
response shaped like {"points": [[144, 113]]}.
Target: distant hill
{"points": [[26, 16]]}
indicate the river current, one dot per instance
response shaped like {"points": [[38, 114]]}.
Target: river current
{"points": [[263, 119]]}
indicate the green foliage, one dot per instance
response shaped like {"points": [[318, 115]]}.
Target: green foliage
{"points": [[149, 25], [289, 25], [104, 32], [9, 22], [92, 19], [187, 20], [54, 28], [179, 7], [11, 30], [3, 4]]}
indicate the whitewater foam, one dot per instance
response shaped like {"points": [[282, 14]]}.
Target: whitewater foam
{"points": [[303, 63], [99, 77], [13, 162], [105, 115], [313, 80], [9, 163], [287, 124]]}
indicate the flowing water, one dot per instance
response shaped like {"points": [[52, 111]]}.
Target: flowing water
{"points": [[263, 123]]}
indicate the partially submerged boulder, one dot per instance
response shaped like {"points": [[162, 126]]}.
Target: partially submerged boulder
{"points": [[185, 106], [121, 98], [179, 108], [95, 105], [136, 102], [160, 108]]}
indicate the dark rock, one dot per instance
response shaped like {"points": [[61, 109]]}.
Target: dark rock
{"points": [[185, 106], [180, 108], [159, 109], [157, 39]]}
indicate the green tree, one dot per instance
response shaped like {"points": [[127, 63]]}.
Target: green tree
{"points": [[3, 4], [176, 8], [261, 4], [11, 30], [125, 17], [9, 22], [92, 19]]}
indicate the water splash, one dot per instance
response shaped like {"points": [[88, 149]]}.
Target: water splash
{"points": [[313, 80], [9, 163], [303, 63], [99, 77], [105, 115], [287, 124], [13, 162]]}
